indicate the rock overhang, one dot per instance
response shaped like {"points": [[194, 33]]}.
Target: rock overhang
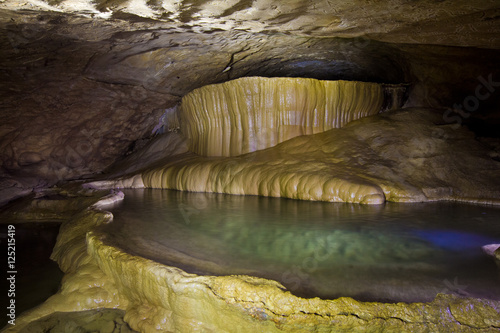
{"points": [[83, 81], [88, 80]]}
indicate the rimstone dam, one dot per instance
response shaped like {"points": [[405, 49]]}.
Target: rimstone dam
{"points": [[250, 166]]}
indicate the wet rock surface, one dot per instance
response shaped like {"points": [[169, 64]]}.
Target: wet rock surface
{"points": [[102, 321], [82, 86], [401, 156], [254, 113], [162, 298]]}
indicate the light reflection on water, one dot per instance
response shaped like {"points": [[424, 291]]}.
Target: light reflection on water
{"points": [[391, 252]]}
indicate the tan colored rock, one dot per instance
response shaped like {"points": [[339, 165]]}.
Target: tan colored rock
{"points": [[78, 92], [397, 156], [255, 113], [426, 22]]}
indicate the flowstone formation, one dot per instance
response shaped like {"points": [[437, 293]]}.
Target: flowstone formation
{"points": [[407, 155], [403, 156], [160, 298], [99, 320], [255, 113], [84, 82]]}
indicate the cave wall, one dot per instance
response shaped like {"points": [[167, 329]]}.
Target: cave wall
{"points": [[80, 87]]}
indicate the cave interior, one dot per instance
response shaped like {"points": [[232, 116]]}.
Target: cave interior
{"points": [[88, 88]]}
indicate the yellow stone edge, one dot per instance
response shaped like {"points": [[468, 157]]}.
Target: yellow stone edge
{"points": [[161, 298]]}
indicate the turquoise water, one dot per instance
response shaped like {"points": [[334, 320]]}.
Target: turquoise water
{"points": [[392, 252]]}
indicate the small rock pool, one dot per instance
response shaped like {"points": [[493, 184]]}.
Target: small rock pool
{"points": [[390, 253]]}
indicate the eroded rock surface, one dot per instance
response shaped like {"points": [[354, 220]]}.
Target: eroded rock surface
{"points": [[159, 298], [403, 156], [101, 320], [254, 113], [418, 22], [83, 83]]}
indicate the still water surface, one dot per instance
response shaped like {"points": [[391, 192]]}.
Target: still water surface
{"points": [[392, 252]]}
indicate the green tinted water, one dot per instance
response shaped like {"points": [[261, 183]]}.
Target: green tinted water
{"points": [[392, 252]]}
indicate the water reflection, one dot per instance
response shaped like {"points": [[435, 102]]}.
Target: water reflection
{"points": [[392, 252]]}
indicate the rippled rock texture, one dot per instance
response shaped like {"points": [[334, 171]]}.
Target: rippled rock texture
{"points": [[255, 113], [403, 156], [100, 320], [160, 298], [85, 83], [417, 22]]}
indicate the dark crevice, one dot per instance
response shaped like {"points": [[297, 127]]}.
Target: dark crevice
{"points": [[347, 314], [107, 5], [241, 5], [190, 8]]}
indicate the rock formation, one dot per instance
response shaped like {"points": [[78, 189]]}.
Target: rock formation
{"points": [[255, 113], [160, 298], [396, 156], [95, 90], [84, 83]]}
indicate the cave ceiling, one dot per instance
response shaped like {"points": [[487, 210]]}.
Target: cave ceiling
{"points": [[454, 23], [82, 81]]}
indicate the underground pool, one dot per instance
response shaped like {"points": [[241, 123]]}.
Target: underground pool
{"points": [[391, 253]]}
